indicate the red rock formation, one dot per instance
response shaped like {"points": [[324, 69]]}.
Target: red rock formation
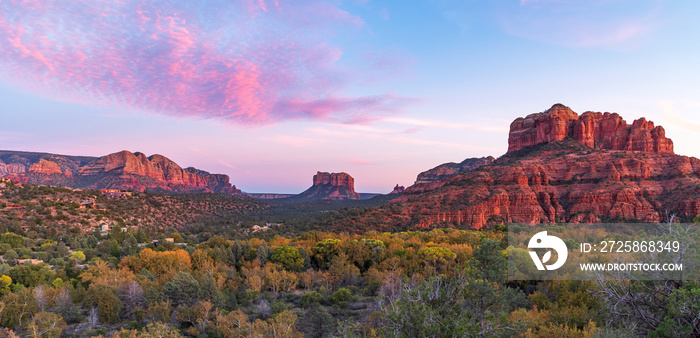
{"points": [[122, 170], [398, 189], [334, 179], [450, 169], [552, 125], [595, 130], [591, 168], [574, 186], [45, 167], [135, 171], [12, 168], [332, 186]]}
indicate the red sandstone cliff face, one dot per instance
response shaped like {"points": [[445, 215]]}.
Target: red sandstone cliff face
{"points": [[332, 186], [122, 170], [577, 169], [574, 186], [595, 130], [334, 179], [45, 167], [135, 171]]}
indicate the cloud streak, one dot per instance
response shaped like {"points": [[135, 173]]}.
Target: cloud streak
{"points": [[444, 125], [580, 23], [249, 62]]}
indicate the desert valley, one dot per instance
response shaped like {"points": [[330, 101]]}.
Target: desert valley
{"points": [[127, 245]]}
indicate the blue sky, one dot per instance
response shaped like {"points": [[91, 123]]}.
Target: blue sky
{"points": [[269, 92]]}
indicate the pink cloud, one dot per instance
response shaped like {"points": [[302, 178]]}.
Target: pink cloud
{"points": [[249, 61], [357, 110]]}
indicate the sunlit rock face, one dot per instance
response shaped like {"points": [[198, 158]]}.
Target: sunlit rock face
{"points": [[596, 130]]}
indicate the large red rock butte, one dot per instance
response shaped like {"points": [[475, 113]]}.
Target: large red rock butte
{"points": [[334, 179], [596, 130], [331, 186], [562, 167]]}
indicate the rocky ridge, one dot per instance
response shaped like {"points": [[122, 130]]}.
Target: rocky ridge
{"points": [[593, 129], [450, 169], [123, 170]]}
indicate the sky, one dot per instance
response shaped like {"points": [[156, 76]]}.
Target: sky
{"points": [[269, 91]]}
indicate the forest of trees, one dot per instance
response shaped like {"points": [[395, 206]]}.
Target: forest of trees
{"points": [[440, 283]]}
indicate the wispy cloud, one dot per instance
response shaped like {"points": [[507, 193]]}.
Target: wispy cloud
{"points": [[446, 125], [295, 141], [580, 23], [672, 115], [249, 61]]}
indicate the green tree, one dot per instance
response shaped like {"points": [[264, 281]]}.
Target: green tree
{"points": [[182, 289], [5, 282], [437, 254], [318, 323], [342, 297], [432, 309], [683, 313], [16, 241], [325, 250], [105, 299], [487, 296], [10, 256], [209, 291], [78, 256], [263, 254], [19, 307], [46, 325], [311, 297], [438, 257], [289, 257], [31, 275]]}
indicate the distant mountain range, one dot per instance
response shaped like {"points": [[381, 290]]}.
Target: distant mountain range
{"points": [[123, 170]]}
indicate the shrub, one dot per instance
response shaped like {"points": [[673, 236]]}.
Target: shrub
{"points": [[309, 298], [342, 297]]}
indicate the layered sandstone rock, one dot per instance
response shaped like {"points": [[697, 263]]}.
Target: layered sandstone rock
{"points": [[12, 168], [331, 186], [334, 179], [589, 168], [563, 186], [121, 170], [595, 130], [450, 169], [45, 167]]}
